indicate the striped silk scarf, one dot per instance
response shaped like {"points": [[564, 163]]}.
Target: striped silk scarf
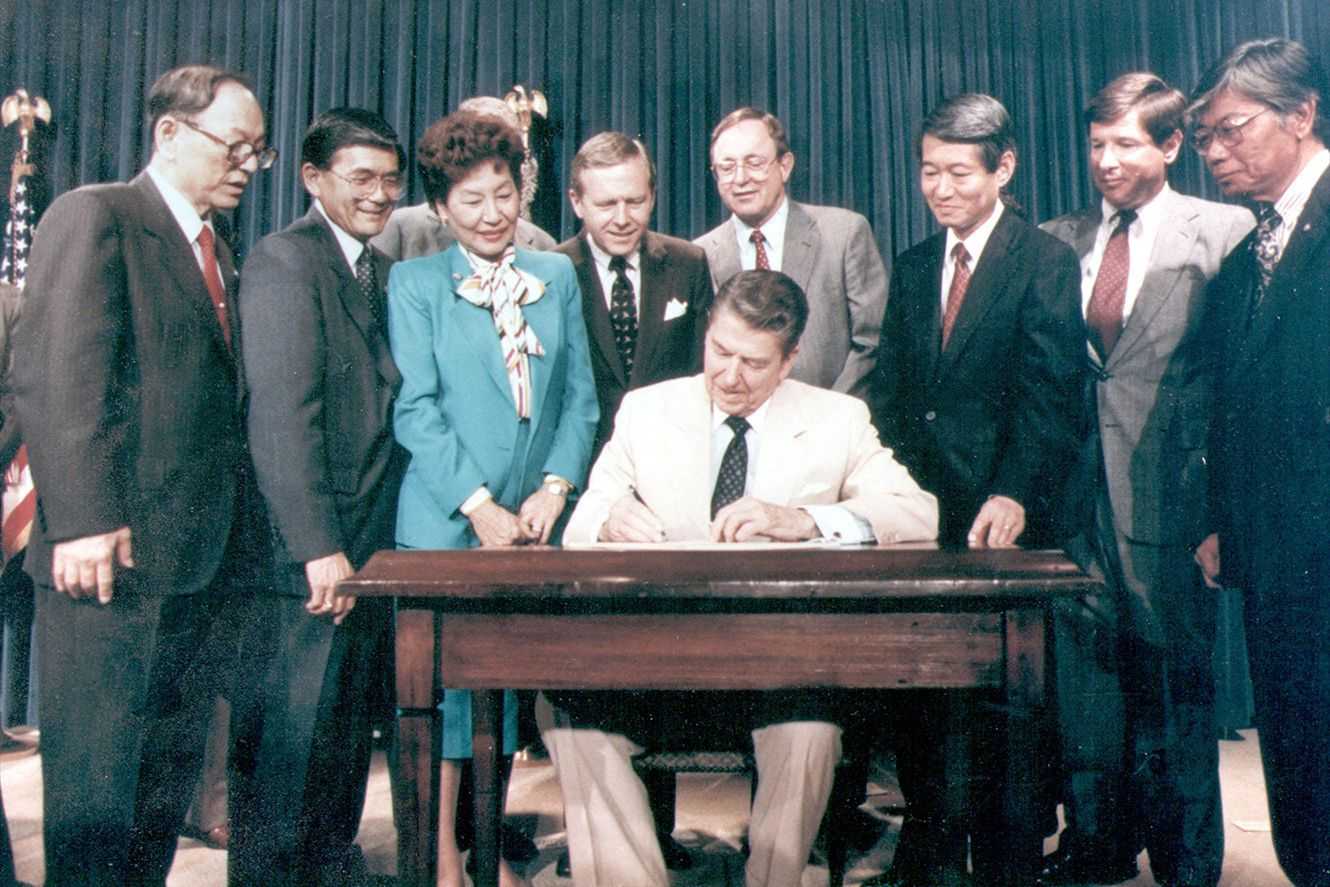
{"points": [[503, 290]]}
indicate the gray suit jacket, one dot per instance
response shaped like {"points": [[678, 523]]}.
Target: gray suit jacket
{"points": [[1153, 395], [415, 231], [831, 253]]}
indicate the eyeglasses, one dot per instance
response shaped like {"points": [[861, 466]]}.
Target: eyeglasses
{"points": [[1228, 133], [238, 153], [756, 167], [364, 184]]}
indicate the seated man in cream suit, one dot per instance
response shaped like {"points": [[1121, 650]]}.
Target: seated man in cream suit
{"points": [[739, 453]]}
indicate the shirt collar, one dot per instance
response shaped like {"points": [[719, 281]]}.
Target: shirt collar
{"points": [[186, 216], [1295, 196], [978, 239], [773, 229], [755, 420], [602, 258], [1148, 214], [350, 246]]}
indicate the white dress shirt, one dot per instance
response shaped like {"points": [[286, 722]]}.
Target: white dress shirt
{"points": [[632, 270], [833, 521], [1141, 234], [1294, 199], [773, 232], [974, 246], [184, 213]]}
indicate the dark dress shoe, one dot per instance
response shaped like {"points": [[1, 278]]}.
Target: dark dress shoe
{"points": [[677, 857], [514, 846], [1081, 865]]}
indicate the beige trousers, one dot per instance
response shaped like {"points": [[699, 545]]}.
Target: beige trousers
{"points": [[612, 839]]}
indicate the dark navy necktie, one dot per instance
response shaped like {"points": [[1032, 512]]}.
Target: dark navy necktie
{"points": [[733, 467]]}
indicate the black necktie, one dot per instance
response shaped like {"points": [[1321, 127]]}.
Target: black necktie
{"points": [[733, 467], [370, 290], [623, 314]]}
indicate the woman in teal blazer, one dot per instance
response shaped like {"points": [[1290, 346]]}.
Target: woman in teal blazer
{"points": [[498, 404]]}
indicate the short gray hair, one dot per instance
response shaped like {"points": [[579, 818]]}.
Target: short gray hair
{"points": [[1274, 71]]}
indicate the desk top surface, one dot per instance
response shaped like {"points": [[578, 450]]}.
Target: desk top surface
{"points": [[781, 572]]}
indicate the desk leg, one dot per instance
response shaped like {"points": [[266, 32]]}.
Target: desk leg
{"points": [[486, 742], [1024, 642], [417, 749]]}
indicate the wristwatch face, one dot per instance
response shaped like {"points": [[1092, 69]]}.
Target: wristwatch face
{"points": [[556, 489]]}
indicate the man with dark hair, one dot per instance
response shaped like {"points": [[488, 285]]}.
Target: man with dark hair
{"points": [[1135, 683], [830, 252], [419, 230], [1260, 126], [979, 393], [128, 391], [642, 292], [322, 383], [776, 460]]}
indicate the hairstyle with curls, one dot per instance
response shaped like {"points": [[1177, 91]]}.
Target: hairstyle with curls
{"points": [[972, 118], [187, 90], [345, 127], [605, 149], [1274, 71], [454, 146], [765, 300], [1160, 107], [741, 115]]}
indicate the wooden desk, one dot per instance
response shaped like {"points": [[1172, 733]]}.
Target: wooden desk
{"points": [[768, 619]]}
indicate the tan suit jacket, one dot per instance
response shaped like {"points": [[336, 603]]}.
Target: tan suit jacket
{"points": [[818, 448]]}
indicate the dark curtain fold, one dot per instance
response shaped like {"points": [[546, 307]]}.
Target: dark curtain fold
{"points": [[851, 79]]}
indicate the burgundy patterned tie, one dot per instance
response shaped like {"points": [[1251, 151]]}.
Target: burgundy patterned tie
{"points": [[1103, 316], [763, 263], [960, 282]]}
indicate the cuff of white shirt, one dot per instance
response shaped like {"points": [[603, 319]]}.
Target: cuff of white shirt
{"points": [[839, 524], [475, 500]]}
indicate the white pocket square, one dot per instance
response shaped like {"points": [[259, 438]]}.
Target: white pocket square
{"points": [[674, 308]]}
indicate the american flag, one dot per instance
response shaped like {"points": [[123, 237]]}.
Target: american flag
{"points": [[18, 236]]}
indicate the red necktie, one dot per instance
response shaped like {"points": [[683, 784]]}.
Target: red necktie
{"points": [[1103, 315], [213, 278], [763, 263], [960, 282]]}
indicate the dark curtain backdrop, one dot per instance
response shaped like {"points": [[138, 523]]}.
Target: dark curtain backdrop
{"points": [[851, 79]]}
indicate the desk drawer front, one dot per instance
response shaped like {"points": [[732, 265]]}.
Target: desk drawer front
{"points": [[760, 651]]}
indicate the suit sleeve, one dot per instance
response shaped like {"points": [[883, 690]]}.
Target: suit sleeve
{"points": [[571, 449], [866, 297], [884, 392], [10, 303], [285, 350], [880, 490], [439, 461], [73, 369], [612, 477], [700, 296], [1046, 424]]}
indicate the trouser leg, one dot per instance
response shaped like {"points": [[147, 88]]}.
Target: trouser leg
{"points": [[796, 765], [611, 836]]}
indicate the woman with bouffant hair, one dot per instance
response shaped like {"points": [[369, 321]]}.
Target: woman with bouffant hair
{"points": [[497, 405]]}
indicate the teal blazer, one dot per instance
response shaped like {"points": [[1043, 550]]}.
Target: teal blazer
{"points": [[455, 411]]}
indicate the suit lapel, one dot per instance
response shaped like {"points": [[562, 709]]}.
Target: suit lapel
{"points": [[801, 245], [594, 309], [353, 301], [651, 302], [476, 326], [726, 254], [1167, 266], [1083, 238], [1313, 226], [178, 258], [929, 306], [688, 453], [782, 447], [986, 285]]}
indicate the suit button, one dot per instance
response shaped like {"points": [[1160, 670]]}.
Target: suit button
{"points": [[930, 416]]}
